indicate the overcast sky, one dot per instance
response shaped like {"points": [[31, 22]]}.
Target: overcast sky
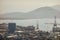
{"points": [[24, 5]]}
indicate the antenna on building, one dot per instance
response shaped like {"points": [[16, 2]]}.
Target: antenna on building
{"points": [[37, 26]]}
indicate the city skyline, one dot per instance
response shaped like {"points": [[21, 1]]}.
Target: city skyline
{"points": [[30, 22], [8, 6]]}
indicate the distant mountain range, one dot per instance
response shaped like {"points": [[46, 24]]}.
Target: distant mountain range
{"points": [[57, 7], [43, 12]]}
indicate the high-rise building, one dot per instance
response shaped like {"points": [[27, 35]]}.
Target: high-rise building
{"points": [[11, 27]]}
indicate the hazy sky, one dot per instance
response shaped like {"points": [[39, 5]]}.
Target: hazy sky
{"points": [[24, 5]]}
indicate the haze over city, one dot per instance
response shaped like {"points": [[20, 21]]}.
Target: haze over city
{"points": [[34, 8]]}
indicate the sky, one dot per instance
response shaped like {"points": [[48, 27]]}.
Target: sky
{"points": [[7, 6]]}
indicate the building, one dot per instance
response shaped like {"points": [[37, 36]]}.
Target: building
{"points": [[11, 27], [3, 28], [56, 29], [28, 28]]}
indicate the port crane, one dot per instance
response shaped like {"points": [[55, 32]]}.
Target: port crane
{"points": [[54, 24]]}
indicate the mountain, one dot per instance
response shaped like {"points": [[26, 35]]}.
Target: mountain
{"points": [[57, 7], [13, 15], [43, 12]]}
